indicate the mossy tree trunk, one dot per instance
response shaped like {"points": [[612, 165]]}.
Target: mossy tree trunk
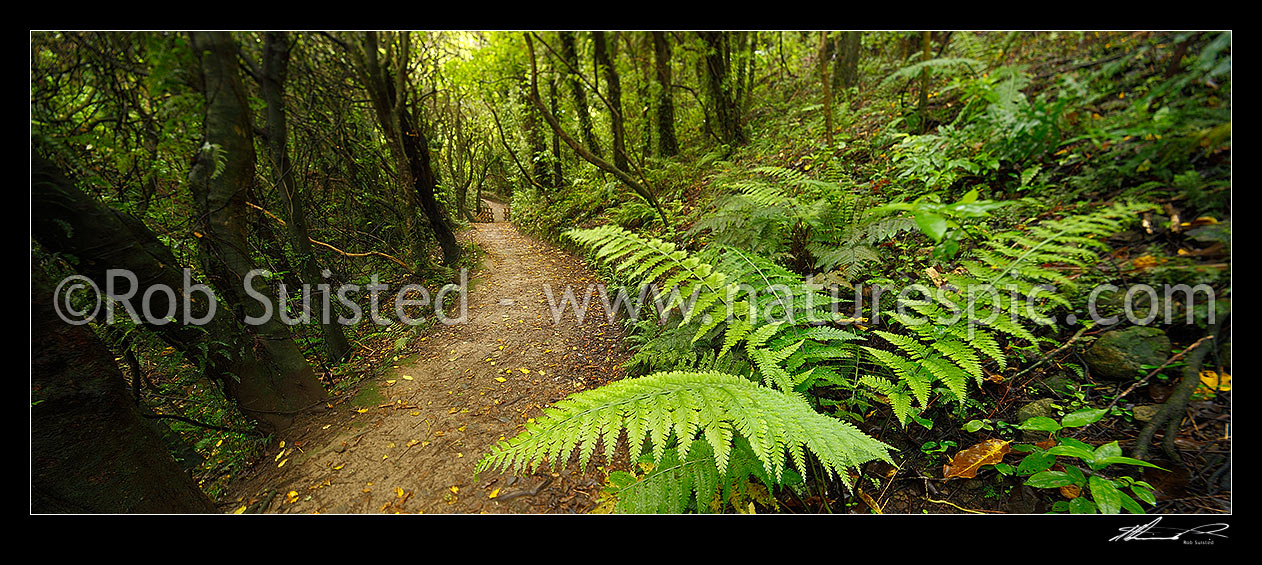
{"points": [[613, 85], [222, 175], [718, 70], [569, 52], [273, 74], [68, 221], [667, 143], [91, 450]]}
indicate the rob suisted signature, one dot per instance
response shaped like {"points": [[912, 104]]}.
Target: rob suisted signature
{"points": [[1151, 532]]}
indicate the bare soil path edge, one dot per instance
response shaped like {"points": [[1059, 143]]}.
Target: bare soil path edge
{"points": [[408, 441]]}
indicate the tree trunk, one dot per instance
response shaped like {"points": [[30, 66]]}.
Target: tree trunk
{"points": [[582, 152], [570, 53], [91, 451], [828, 95], [408, 144], [718, 66], [534, 137], [926, 45], [416, 145], [667, 144], [846, 65], [614, 86], [275, 71], [65, 220], [557, 178], [221, 177]]}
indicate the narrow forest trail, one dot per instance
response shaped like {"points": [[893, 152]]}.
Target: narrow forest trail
{"points": [[409, 440]]}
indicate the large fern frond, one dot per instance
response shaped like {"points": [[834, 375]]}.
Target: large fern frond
{"points": [[671, 410]]}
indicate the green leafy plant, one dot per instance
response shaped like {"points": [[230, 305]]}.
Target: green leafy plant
{"points": [[945, 223], [1097, 488]]}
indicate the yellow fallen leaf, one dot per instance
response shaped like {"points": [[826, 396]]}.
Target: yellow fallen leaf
{"points": [[1211, 381], [416, 412], [282, 463], [282, 444], [339, 467], [493, 494], [454, 490], [500, 379], [362, 410], [525, 370], [391, 381], [241, 510], [407, 377], [326, 426], [398, 491], [292, 496], [412, 442]]}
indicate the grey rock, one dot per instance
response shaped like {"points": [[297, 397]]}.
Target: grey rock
{"points": [[1121, 354], [1058, 383], [1041, 407], [1023, 501]]}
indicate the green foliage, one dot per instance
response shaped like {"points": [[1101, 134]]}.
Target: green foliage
{"points": [[694, 482], [941, 66], [671, 410], [950, 332], [1101, 490], [757, 215], [945, 223], [782, 213]]}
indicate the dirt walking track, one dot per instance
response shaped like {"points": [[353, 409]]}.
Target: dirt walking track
{"points": [[408, 440]]}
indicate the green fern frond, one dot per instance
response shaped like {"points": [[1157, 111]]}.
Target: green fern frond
{"points": [[685, 406], [679, 482]]}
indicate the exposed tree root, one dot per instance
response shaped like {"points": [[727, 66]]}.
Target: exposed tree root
{"points": [[1171, 413]]}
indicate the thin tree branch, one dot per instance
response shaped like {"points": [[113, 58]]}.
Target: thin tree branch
{"points": [[578, 148]]}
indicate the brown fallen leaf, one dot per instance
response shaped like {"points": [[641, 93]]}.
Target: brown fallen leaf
{"points": [[1070, 491], [967, 462], [871, 503]]}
